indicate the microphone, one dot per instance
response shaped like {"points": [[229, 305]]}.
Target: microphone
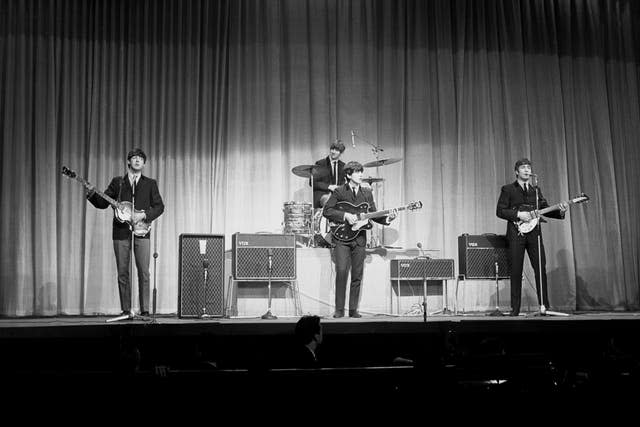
{"points": [[270, 255], [419, 245], [353, 138]]}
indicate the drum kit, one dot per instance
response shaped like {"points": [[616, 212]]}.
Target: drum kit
{"points": [[300, 218]]}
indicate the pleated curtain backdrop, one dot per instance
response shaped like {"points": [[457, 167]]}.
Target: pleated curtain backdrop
{"points": [[225, 97]]}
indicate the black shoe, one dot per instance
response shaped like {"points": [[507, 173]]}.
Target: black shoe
{"points": [[338, 313], [144, 313], [354, 314], [514, 314], [125, 313]]}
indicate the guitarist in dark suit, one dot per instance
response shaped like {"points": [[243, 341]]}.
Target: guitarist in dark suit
{"points": [[330, 174], [147, 199], [353, 250], [517, 202]]}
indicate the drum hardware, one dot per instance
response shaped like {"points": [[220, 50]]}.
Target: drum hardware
{"points": [[381, 162]]}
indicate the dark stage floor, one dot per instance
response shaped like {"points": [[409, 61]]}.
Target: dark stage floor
{"points": [[583, 352]]}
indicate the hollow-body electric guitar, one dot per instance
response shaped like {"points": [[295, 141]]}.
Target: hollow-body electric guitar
{"points": [[347, 232], [525, 227], [122, 210]]}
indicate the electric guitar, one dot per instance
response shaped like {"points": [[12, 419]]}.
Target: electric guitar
{"points": [[526, 226], [347, 232], [121, 210]]}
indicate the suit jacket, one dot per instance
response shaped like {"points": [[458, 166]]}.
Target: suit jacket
{"points": [[325, 179], [303, 358], [148, 199], [513, 199], [344, 194]]}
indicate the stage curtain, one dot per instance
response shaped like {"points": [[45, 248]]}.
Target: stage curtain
{"points": [[226, 97]]}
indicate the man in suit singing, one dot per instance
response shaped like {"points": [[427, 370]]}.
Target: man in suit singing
{"points": [[518, 202], [149, 205]]}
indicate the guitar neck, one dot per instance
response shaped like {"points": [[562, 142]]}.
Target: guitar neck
{"points": [[553, 208], [111, 201], [379, 214]]}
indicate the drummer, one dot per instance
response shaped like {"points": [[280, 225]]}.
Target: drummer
{"points": [[329, 176]]}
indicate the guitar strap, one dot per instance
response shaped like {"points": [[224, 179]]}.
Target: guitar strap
{"points": [[120, 189]]}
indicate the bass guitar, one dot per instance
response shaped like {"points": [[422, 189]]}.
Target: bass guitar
{"points": [[347, 232], [122, 210], [525, 227]]}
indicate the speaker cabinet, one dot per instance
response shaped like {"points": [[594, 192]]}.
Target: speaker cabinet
{"points": [[478, 255], [201, 275], [420, 268], [253, 254]]}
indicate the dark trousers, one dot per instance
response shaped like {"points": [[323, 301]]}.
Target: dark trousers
{"points": [[517, 246], [349, 254], [141, 250]]}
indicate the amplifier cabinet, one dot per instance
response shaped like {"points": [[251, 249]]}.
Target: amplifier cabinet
{"points": [[478, 255], [253, 254], [421, 268], [200, 254]]}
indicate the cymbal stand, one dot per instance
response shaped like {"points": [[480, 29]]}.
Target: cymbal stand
{"points": [[310, 240], [376, 150]]}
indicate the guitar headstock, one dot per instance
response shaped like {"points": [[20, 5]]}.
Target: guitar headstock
{"points": [[68, 172], [415, 205], [581, 198]]}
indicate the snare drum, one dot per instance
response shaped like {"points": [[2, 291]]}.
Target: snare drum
{"points": [[297, 218]]}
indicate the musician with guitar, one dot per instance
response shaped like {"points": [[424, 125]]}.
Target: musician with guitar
{"points": [[131, 219], [518, 205], [342, 208]]}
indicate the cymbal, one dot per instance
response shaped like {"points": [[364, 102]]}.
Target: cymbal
{"points": [[305, 171], [372, 179], [381, 162]]}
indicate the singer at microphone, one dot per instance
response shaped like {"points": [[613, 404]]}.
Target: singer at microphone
{"points": [[517, 201], [146, 206]]}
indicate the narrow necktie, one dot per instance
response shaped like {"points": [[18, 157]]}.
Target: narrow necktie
{"points": [[335, 173]]}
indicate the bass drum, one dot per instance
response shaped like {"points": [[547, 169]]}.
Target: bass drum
{"points": [[322, 230], [297, 218]]}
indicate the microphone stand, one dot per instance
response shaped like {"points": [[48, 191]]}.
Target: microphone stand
{"points": [[205, 266], [497, 311], [424, 259], [155, 274], [543, 310], [424, 290], [268, 315]]}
